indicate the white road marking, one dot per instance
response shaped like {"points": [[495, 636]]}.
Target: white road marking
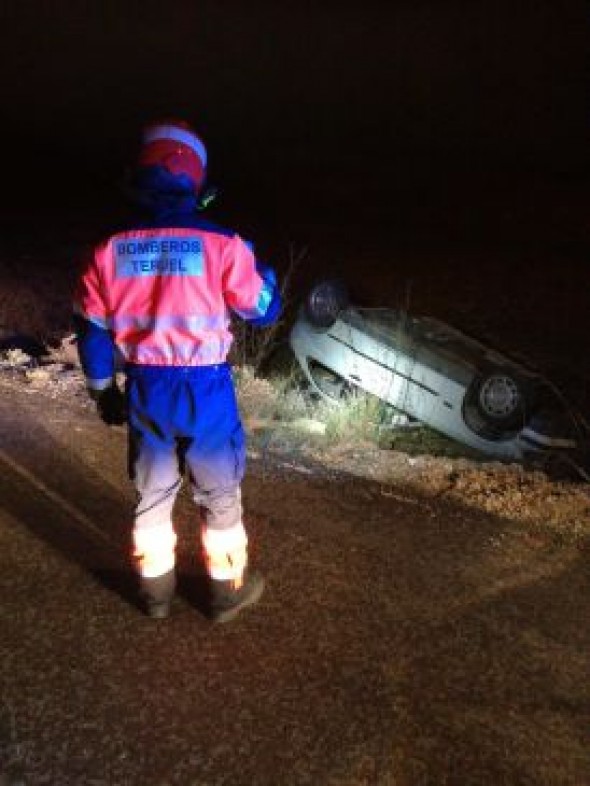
{"points": [[56, 498]]}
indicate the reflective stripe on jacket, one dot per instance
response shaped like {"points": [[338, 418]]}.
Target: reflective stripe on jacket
{"points": [[164, 294]]}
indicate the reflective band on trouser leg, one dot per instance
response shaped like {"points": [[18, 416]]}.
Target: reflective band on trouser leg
{"points": [[226, 553], [155, 549]]}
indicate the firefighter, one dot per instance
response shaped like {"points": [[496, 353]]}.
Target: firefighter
{"points": [[159, 296]]}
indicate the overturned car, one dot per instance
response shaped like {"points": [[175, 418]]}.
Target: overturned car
{"points": [[430, 372]]}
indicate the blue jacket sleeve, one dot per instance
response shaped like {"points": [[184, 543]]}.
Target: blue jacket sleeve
{"points": [[272, 294], [96, 351]]}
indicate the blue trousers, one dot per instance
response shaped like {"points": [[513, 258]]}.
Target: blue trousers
{"points": [[185, 416]]}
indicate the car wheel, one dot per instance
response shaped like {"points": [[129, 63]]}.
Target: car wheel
{"points": [[324, 303], [496, 403]]}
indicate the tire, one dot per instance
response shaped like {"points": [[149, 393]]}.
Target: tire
{"points": [[324, 303], [497, 403]]}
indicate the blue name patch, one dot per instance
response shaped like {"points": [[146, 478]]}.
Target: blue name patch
{"points": [[159, 256]]}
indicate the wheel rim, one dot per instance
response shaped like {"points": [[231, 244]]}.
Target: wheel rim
{"points": [[499, 396]]}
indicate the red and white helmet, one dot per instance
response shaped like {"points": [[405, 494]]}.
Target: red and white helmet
{"points": [[174, 145]]}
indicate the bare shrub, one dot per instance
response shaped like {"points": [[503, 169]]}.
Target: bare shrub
{"points": [[252, 345]]}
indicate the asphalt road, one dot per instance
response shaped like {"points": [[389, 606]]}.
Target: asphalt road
{"points": [[400, 641]]}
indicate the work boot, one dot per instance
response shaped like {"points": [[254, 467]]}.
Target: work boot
{"points": [[226, 601], [157, 594]]}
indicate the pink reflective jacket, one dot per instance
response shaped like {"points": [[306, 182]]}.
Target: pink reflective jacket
{"points": [[165, 294]]}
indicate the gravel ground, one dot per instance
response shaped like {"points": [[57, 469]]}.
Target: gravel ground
{"points": [[406, 636]]}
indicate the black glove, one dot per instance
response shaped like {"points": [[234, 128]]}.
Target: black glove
{"points": [[111, 405]]}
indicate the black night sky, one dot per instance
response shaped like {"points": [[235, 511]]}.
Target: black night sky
{"points": [[401, 135], [290, 95]]}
